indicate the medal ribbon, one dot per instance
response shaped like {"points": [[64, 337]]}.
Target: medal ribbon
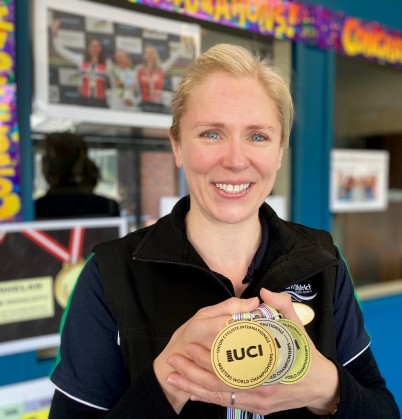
{"points": [[241, 414], [60, 252]]}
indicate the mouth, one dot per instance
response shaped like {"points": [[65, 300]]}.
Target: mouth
{"points": [[233, 189]]}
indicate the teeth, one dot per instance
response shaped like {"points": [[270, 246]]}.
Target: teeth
{"points": [[232, 188]]}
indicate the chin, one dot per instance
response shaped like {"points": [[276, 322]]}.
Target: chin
{"points": [[234, 217]]}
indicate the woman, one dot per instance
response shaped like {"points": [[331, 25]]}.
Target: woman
{"points": [[123, 92], [92, 65], [72, 177], [137, 338], [151, 74]]}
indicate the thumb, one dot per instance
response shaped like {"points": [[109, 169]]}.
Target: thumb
{"points": [[230, 306], [282, 302]]}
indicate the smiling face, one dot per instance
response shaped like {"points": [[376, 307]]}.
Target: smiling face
{"points": [[121, 59], [94, 48], [150, 57], [230, 148]]}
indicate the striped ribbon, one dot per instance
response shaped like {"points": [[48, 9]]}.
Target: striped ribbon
{"points": [[241, 414]]}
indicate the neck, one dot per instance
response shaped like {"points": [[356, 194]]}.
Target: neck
{"points": [[226, 248]]}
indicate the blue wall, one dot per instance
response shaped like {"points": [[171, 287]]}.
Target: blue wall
{"points": [[383, 317], [313, 91], [21, 367]]}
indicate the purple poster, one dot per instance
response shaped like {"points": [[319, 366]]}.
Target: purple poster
{"points": [[10, 187]]}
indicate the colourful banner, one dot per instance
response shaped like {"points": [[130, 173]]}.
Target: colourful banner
{"points": [[294, 21], [10, 188]]}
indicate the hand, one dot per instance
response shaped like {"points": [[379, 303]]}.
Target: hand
{"points": [[200, 332], [318, 390], [186, 47]]}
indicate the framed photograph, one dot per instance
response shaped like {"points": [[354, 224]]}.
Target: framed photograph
{"points": [[104, 64], [41, 262], [359, 180]]}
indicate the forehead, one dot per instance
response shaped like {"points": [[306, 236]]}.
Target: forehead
{"points": [[221, 82], [220, 89], [94, 42]]}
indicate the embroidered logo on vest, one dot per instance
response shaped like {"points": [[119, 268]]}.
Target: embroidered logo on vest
{"points": [[301, 292]]}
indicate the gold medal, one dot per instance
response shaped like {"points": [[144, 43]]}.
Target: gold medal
{"points": [[286, 349], [70, 257], [244, 354], [66, 280], [301, 363]]}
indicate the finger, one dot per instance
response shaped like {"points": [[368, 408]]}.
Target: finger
{"points": [[228, 399], [204, 386], [281, 302], [236, 399], [200, 355], [195, 380], [230, 306], [197, 392]]}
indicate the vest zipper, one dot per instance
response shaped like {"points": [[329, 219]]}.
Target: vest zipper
{"points": [[188, 265]]}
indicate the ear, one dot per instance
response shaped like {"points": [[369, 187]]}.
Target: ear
{"points": [[176, 147]]}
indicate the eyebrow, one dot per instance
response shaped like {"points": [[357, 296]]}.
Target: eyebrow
{"points": [[221, 125]]}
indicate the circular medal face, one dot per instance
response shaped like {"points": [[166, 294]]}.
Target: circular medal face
{"points": [[301, 363], [65, 281], [286, 349], [304, 312], [244, 354]]}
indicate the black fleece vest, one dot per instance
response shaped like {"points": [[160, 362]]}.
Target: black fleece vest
{"points": [[154, 286]]}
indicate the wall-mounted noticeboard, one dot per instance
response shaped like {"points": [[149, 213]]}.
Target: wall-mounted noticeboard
{"points": [[40, 263]]}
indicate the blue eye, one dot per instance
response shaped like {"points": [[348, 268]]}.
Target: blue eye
{"points": [[212, 135], [257, 137]]}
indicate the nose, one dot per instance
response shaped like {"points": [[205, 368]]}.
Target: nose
{"points": [[235, 156]]}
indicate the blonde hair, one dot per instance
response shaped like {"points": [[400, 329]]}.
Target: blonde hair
{"points": [[155, 52], [240, 62]]}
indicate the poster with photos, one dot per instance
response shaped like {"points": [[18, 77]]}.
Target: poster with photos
{"points": [[359, 180], [105, 64]]}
